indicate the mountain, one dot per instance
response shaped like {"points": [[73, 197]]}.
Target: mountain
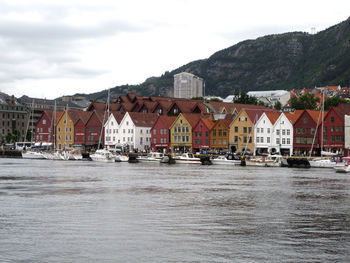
{"points": [[283, 61]]}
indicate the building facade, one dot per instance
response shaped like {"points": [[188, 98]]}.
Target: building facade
{"points": [[160, 132], [201, 135], [187, 85], [13, 118]]}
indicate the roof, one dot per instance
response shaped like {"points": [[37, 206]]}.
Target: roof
{"points": [[273, 116], [255, 114], [143, 119], [167, 120], [267, 93], [333, 88], [316, 115], [342, 109], [118, 116], [209, 123], [192, 118], [293, 116]]}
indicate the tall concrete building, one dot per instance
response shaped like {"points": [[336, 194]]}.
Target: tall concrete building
{"points": [[187, 85]]}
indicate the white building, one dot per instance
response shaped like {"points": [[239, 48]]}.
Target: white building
{"points": [[270, 97], [133, 131], [112, 129], [187, 85], [274, 133]]}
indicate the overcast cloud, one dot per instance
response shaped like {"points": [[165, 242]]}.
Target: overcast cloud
{"points": [[55, 48]]}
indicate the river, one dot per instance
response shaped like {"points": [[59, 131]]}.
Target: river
{"points": [[80, 211]]}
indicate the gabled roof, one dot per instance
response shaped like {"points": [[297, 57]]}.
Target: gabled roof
{"points": [[167, 120], [193, 118], [255, 114], [342, 109], [209, 123], [332, 88], [316, 115], [118, 116], [293, 116], [273, 116], [101, 106], [143, 119]]}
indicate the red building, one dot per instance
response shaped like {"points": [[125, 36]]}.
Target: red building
{"points": [[80, 128], [201, 135], [333, 129], [160, 132], [44, 128], [307, 131], [93, 129]]}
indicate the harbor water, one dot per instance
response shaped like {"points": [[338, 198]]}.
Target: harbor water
{"points": [[81, 211]]}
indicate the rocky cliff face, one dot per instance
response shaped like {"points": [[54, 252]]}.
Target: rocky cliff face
{"points": [[284, 61]]}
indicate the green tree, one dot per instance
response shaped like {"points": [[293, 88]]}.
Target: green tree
{"points": [[9, 137], [333, 102], [29, 135], [278, 105], [197, 98], [304, 102], [215, 99], [244, 98]]}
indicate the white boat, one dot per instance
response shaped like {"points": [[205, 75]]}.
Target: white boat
{"points": [[102, 155], [32, 155], [56, 155], [121, 158], [343, 165], [225, 160], [151, 157], [264, 161], [187, 158], [322, 163]]}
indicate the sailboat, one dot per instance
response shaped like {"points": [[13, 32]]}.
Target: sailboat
{"points": [[103, 155], [325, 161]]}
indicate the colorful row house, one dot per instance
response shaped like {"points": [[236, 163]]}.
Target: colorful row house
{"points": [[130, 131]]}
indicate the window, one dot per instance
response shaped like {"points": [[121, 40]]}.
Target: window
{"points": [[250, 129], [283, 141], [245, 139], [154, 140], [268, 139], [312, 130], [257, 139], [277, 140], [268, 130], [214, 132], [257, 130], [288, 141], [236, 129], [44, 121], [288, 132], [278, 132], [305, 120], [236, 138], [206, 134], [283, 132], [332, 119], [262, 130], [262, 139], [244, 129]]}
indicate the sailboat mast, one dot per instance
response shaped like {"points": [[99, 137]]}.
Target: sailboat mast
{"points": [[322, 121]]}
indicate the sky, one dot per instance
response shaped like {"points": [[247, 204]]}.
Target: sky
{"points": [[52, 48]]}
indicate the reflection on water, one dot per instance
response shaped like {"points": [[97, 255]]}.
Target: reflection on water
{"points": [[90, 212]]}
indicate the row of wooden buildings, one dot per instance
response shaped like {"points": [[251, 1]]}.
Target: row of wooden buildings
{"points": [[156, 123]]}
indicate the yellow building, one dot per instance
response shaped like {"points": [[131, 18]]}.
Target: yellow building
{"points": [[181, 132], [65, 130], [241, 134]]}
